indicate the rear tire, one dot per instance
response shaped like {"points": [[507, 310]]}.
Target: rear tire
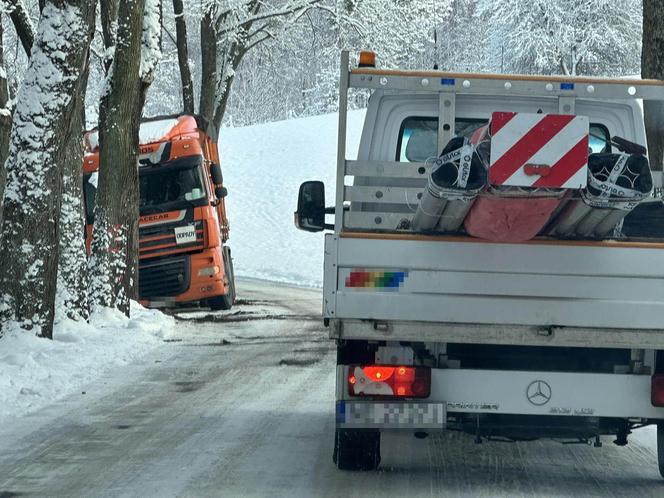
{"points": [[226, 301], [660, 447], [356, 450]]}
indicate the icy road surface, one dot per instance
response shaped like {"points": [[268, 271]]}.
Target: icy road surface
{"points": [[241, 404]]}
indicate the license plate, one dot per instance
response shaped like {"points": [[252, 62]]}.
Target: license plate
{"points": [[365, 415]]}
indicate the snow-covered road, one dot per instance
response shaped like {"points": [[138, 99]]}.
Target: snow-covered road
{"points": [[243, 406]]}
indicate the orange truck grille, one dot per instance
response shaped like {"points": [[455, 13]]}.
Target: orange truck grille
{"points": [[163, 277], [161, 240]]}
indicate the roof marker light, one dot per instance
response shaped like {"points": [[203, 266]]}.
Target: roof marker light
{"points": [[367, 59]]}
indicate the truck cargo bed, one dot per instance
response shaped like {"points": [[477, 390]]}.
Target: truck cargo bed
{"points": [[536, 287]]}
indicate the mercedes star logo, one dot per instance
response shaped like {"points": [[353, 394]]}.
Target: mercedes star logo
{"points": [[538, 392]]}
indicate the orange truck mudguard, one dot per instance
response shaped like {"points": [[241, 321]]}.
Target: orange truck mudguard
{"points": [[183, 228]]}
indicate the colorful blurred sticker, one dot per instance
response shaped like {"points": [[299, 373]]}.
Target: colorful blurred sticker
{"points": [[361, 278]]}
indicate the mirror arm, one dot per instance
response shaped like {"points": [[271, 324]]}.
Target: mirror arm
{"points": [[332, 209]]}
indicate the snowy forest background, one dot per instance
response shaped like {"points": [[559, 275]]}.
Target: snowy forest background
{"points": [[294, 72]]}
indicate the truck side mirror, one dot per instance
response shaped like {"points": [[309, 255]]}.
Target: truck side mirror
{"points": [[217, 176], [220, 192], [310, 214]]}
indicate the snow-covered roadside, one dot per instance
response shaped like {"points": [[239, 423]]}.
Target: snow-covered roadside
{"points": [[264, 166], [35, 372]]}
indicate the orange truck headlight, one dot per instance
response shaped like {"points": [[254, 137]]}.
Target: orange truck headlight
{"points": [[208, 271]]}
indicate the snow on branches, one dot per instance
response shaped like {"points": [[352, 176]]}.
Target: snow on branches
{"points": [[150, 40], [567, 36], [44, 93]]}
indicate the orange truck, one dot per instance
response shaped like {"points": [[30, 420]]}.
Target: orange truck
{"points": [[183, 228]]}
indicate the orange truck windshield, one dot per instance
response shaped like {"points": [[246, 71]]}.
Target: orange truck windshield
{"points": [[173, 185]]}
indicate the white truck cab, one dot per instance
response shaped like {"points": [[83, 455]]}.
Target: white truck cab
{"points": [[549, 337]]}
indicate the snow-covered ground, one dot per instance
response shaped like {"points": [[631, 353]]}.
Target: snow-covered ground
{"points": [[264, 166], [35, 372]]}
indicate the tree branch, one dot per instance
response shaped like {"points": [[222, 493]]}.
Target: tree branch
{"points": [[183, 57], [22, 23], [247, 23]]}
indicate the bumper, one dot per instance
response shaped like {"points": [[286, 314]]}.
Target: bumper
{"points": [[200, 287], [524, 393]]}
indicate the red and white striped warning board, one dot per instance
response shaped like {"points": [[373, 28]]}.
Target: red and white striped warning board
{"points": [[539, 150]]}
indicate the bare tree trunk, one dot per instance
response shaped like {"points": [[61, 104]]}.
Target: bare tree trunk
{"points": [[652, 66], [224, 90], [24, 29], [183, 57], [151, 42], [29, 248], [5, 120], [109, 28], [73, 279], [208, 64], [115, 234]]}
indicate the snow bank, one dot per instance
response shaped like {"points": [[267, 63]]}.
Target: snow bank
{"points": [[35, 372], [264, 166]]}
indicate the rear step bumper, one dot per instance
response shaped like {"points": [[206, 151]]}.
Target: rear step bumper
{"points": [[523, 393]]}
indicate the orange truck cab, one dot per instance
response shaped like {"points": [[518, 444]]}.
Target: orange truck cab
{"points": [[183, 227]]}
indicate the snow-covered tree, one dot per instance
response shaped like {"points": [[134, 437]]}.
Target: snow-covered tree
{"points": [[5, 117], [41, 123], [20, 17], [229, 30], [115, 235], [567, 36], [24, 28], [461, 33], [73, 277], [652, 66]]}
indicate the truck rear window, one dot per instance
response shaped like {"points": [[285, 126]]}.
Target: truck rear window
{"points": [[418, 137]]}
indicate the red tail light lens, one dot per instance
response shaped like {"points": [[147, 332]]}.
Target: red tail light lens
{"points": [[394, 381], [657, 390]]}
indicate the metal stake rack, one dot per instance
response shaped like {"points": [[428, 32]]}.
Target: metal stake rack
{"points": [[448, 86]]}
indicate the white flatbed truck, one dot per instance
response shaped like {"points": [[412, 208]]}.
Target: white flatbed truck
{"points": [[512, 341]]}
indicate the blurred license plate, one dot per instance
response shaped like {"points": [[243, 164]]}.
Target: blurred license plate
{"points": [[391, 415]]}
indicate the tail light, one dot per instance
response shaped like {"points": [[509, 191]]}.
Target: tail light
{"points": [[657, 390], [384, 380]]}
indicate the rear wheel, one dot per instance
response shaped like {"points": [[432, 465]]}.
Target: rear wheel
{"points": [[356, 450], [660, 447], [226, 301]]}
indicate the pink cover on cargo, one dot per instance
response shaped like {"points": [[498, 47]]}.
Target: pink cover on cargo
{"points": [[509, 219]]}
